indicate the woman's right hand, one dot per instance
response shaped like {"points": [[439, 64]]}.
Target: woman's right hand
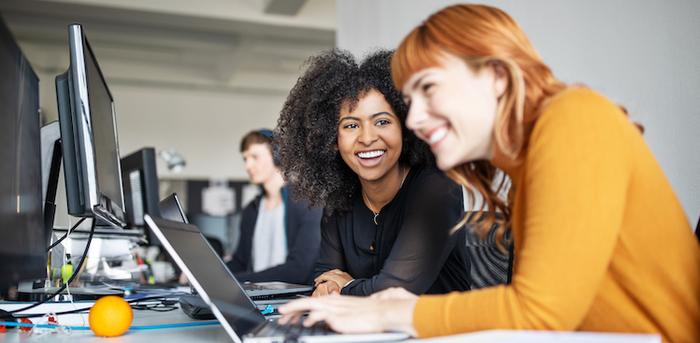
{"points": [[331, 282], [348, 314]]}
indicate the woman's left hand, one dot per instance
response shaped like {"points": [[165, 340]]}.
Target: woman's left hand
{"points": [[347, 314], [336, 275]]}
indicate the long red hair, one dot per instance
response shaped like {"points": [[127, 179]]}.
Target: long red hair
{"points": [[484, 35]]}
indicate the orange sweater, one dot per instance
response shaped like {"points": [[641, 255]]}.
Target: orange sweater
{"points": [[601, 241]]}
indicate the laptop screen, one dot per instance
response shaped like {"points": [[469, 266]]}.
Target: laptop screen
{"points": [[171, 209], [209, 272]]}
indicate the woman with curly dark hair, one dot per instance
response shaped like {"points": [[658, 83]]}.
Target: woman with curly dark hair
{"points": [[388, 210]]}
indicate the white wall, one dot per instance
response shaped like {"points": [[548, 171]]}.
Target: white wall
{"points": [[205, 126], [643, 54]]}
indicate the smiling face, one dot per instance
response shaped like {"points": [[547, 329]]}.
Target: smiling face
{"points": [[369, 137], [453, 108]]}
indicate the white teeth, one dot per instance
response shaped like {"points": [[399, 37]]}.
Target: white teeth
{"points": [[437, 135], [370, 154]]}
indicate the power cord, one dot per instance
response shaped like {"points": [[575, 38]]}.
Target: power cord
{"points": [[135, 302], [165, 305], [57, 242], [135, 327], [76, 271]]}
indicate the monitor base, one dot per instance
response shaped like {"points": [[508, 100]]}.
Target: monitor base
{"points": [[27, 292]]}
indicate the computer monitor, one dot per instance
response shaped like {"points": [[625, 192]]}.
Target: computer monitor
{"points": [[23, 240], [140, 186], [89, 136]]}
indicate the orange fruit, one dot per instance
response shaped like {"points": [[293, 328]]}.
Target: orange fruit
{"points": [[110, 316]]}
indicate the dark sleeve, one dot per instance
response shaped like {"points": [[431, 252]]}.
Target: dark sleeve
{"points": [[331, 256], [424, 242], [303, 250], [240, 261]]}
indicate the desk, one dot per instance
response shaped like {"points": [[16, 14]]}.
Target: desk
{"points": [[217, 334], [177, 335]]}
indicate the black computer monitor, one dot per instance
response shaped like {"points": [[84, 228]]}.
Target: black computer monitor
{"points": [[140, 179], [23, 240], [89, 136]]}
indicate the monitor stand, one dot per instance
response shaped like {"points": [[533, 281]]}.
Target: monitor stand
{"points": [[52, 185], [104, 231], [32, 291], [106, 218], [52, 166]]}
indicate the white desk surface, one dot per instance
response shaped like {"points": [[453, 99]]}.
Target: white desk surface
{"points": [[216, 334]]}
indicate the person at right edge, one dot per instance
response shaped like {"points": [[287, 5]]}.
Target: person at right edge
{"points": [[601, 241]]}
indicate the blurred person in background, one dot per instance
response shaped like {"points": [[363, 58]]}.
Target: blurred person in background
{"points": [[279, 236]]}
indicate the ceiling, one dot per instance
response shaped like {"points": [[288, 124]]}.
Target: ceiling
{"points": [[253, 46]]}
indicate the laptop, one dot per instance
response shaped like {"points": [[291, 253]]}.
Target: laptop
{"points": [[171, 209], [230, 304]]}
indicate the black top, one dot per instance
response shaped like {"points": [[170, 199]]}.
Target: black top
{"points": [[302, 226], [410, 247]]}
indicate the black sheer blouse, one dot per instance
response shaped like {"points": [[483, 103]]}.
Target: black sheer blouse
{"points": [[410, 247]]}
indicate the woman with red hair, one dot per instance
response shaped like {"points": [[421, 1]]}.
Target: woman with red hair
{"points": [[601, 242]]}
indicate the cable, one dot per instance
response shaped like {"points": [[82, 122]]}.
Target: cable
{"points": [[154, 308], [165, 305], [54, 244], [70, 296], [78, 310], [76, 271], [134, 327], [174, 325]]}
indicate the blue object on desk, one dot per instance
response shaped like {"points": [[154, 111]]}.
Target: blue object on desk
{"points": [[268, 310]]}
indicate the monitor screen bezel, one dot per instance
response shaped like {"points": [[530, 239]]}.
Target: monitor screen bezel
{"points": [[142, 161], [80, 104]]}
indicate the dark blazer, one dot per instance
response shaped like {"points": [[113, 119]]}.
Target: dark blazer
{"points": [[303, 229]]}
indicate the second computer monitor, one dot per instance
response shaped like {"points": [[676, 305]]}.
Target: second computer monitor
{"points": [[140, 186]]}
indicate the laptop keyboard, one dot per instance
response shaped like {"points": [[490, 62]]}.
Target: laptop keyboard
{"points": [[252, 287], [291, 331]]}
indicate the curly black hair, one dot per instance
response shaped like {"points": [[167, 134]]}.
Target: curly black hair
{"points": [[307, 129]]}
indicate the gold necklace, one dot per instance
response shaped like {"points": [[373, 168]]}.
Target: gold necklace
{"points": [[371, 205]]}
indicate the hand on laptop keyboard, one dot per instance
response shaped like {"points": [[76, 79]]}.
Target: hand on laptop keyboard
{"points": [[350, 314]]}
